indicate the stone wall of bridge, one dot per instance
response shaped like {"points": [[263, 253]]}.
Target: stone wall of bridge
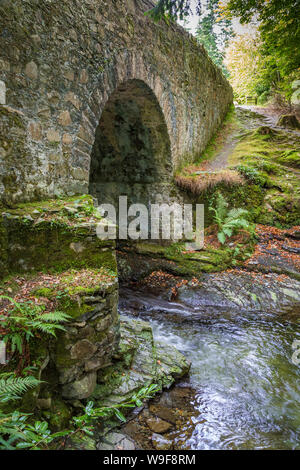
{"points": [[60, 63]]}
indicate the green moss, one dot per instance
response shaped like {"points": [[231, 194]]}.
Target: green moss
{"points": [[70, 289], [58, 416], [74, 308], [58, 207], [112, 377], [44, 292], [259, 157], [290, 158], [191, 264], [55, 235]]}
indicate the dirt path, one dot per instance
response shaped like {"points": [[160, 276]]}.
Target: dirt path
{"points": [[249, 120], [221, 160]]}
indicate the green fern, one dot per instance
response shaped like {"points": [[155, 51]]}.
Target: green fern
{"points": [[16, 432], [12, 388], [26, 319], [229, 222]]}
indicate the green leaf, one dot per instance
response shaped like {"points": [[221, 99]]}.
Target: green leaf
{"points": [[227, 231], [23, 445], [120, 415], [222, 237]]}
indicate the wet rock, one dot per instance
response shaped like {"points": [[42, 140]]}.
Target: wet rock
{"points": [[158, 425], [142, 362], [291, 249], [243, 290], [288, 120], [160, 442], [174, 406], [164, 412], [116, 441], [81, 388]]}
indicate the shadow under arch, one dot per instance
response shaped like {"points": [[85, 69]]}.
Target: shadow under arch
{"points": [[131, 154]]}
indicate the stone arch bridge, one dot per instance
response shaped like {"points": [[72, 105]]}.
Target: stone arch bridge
{"points": [[95, 96]]}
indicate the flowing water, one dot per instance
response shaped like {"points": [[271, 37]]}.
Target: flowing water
{"points": [[247, 387]]}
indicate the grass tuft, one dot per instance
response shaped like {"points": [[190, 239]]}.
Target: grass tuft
{"points": [[200, 183]]}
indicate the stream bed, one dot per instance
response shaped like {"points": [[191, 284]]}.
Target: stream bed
{"points": [[244, 390]]}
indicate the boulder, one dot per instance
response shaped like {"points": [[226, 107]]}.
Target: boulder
{"points": [[80, 389], [288, 120], [242, 290], [141, 362], [116, 441], [158, 425]]}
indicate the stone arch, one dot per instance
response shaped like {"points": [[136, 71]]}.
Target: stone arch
{"points": [[131, 69], [131, 152]]}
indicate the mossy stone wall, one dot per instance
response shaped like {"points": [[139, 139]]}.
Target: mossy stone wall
{"points": [[53, 236]]}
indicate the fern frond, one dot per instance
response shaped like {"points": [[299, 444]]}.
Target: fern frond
{"points": [[238, 223], [221, 207], [55, 317], [12, 388], [237, 213], [47, 327]]}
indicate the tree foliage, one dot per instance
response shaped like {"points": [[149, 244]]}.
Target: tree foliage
{"points": [[175, 9], [279, 28], [213, 32], [244, 62]]}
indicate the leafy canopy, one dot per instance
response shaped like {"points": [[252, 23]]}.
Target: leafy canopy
{"points": [[214, 28], [213, 32], [279, 28], [175, 9]]}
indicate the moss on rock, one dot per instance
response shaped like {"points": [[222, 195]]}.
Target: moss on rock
{"points": [[54, 235]]}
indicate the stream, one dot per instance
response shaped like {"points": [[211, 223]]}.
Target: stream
{"points": [[246, 387]]}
